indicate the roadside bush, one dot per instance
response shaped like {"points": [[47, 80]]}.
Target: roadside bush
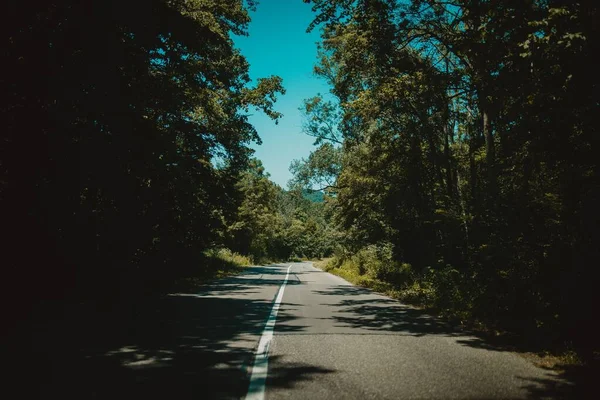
{"points": [[295, 258], [377, 262], [418, 292], [332, 263], [450, 293], [228, 256]]}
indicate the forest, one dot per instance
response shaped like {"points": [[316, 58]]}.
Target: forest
{"points": [[460, 146], [456, 161]]}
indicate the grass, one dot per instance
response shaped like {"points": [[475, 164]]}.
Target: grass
{"points": [[557, 362], [349, 273], [215, 264]]}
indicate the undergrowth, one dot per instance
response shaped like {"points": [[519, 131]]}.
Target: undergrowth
{"points": [[214, 264], [441, 291]]}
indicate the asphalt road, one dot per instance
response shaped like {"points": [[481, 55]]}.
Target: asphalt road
{"points": [[352, 343], [331, 340]]}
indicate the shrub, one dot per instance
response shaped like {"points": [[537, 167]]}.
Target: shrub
{"points": [[449, 287], [419, 292], [227, 256], [377, 262], [294, 258]]}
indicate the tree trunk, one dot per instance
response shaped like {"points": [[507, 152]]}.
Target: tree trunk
{"points": [[472, 166], [448, 158], [490, 150], [489, 140]]}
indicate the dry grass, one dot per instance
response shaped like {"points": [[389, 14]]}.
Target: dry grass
{"points": [[557, 362]]}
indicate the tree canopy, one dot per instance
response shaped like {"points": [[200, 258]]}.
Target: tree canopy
{"points": [[125, 128], [469, 144], [457, 152]]}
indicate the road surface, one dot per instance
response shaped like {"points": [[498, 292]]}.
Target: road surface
{"points": [[329, 340]]}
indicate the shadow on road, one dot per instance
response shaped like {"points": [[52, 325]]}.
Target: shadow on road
{"points": [[179, 346], [285, 374], [361, 308], [573, 382], [371, 313], [252, 279]]}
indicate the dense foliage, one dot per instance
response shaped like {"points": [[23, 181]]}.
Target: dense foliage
{"points": [[124, 133], [458, 159], [469, 154], [274, 224], [125, 159]]}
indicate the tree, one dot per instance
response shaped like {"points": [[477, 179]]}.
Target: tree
{"points": [[320, 171], [125, 128], [257, 223], [468, 141]]}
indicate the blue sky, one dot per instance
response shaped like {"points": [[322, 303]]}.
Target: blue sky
{"points": [[279, 45]]}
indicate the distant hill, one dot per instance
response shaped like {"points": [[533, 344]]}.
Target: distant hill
{"points": [[314, 196]]}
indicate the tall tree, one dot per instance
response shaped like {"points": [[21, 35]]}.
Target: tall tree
{"points": [[124, 128], [468, 144]]}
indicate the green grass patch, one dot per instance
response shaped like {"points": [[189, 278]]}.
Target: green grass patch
{"points": [[214, 264], [228, 257], [349, 271]]}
